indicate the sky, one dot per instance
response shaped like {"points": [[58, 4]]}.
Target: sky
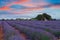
{"points": [[11, 9]]}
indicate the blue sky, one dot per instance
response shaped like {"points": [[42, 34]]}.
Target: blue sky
{"points": [[28, 8]]}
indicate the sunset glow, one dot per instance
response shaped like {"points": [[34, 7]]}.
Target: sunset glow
{"points": [[28, 6]]}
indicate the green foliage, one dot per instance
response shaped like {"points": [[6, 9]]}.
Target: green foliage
{"points": [[44, 37], [40, 17], [57, 34], [43, 17], [48, 17]]}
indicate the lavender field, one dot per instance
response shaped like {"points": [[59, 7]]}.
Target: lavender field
{"points": [[29, 30]]}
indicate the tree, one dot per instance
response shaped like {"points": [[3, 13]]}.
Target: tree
{"points": [[46, 16], [43, 16], [3, 19], [39, 17]]}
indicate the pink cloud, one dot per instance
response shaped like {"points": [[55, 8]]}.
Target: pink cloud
{"points": [[26, 3], [6, 7], [55, 6], [25, 11], [30, 6]]}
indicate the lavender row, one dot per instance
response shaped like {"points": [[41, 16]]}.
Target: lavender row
{"points": [[34, 34], [10, 33], [50, 26]]}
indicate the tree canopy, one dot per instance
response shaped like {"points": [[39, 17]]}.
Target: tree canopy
{"points": [[43, 16]]}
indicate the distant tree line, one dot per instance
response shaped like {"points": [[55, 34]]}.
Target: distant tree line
{"points": [[43, 17]]}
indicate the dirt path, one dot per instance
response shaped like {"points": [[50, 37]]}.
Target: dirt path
{"points": [[22, 34], [1, 33]]}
